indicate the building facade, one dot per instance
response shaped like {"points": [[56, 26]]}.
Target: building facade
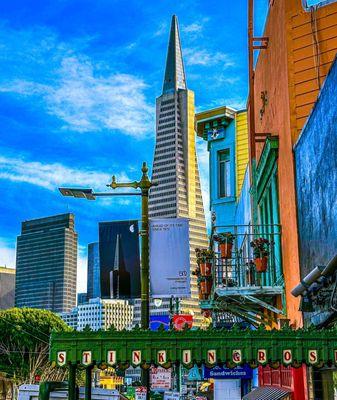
{"points": [[100, 314], [299, 44], [226, 132], [94, 275], [46, 264], [315, 156], [7, 288], [288, 76], [175, 166]]}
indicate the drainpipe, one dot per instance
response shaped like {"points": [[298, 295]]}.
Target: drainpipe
{"points": [[251, 106]]}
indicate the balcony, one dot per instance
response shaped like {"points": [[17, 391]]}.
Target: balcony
{"points": [[238, 287]]}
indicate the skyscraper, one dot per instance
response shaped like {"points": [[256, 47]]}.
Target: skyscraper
{"points": [[7, 287], [94, 276], [175, 166], [46, 264]]}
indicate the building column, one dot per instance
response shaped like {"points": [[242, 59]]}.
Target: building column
{"points": [[88, 383], [72, 393]]}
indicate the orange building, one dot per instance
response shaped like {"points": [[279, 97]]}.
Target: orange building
{"points": [[301, 45]]}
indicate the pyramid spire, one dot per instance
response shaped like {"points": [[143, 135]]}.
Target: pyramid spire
{"points": [[174, 73]]}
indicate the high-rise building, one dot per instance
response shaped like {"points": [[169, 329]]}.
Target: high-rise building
{"points": [[7, 287], [46, 264], [100, 314], [175, 166], [82, 298], [93, 281]]}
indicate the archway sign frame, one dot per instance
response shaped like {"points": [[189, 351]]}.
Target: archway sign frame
{"points": [[212, 347]]}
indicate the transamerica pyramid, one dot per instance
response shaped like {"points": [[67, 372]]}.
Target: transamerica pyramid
{"points": [[175, 166]]}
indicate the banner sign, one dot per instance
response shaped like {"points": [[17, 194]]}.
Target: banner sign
{"points": [[156, 321], [244, 372], [119, 259], [181, 320], [170, 258], [161, 378]]}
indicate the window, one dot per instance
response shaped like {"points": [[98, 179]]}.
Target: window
{"points": [[224, 174]]}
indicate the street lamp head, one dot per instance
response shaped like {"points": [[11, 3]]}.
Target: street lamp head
{"points": [[78, 193]]}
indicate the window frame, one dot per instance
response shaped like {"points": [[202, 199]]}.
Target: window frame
{"points": [[227, 174]]}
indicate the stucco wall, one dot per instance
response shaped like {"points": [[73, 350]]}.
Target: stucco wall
{"points": [[271, 76], [316, 180]]}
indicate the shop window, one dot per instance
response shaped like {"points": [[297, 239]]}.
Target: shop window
{"points": [[224, 169]]}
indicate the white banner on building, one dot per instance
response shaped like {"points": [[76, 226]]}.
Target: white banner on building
{"points": [[170, 257], [160, 378]]}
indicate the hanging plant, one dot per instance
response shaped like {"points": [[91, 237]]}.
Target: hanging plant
{"points": [[205, 284], [204, 261], [225, 241], [261, 251]]}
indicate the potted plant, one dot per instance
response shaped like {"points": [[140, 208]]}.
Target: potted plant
{"points": [[225, 241], [204, 260], [205, 285], [261, 253]]}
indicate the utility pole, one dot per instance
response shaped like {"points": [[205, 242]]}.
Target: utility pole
{"points": [[144, 185]]}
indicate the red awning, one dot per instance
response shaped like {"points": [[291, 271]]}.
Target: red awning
{"points": [[268, 393]]}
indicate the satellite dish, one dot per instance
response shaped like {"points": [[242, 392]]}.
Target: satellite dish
{"points": [[132, 228]]}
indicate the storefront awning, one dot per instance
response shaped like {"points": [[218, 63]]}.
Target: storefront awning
{"points": [[268, 393]]}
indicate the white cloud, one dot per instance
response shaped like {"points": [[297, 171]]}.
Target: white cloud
{"points": [[7, 254], [84, 94], [192, 28], [161, 30], [203, 57], [238, 103], [51, 176]]}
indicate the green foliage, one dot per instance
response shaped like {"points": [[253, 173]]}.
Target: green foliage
{"points": [[204, 255], [226, 237], [24, 342]]}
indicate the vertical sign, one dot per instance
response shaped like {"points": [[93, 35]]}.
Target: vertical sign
{"points": [[119, 259], [170, 258]]}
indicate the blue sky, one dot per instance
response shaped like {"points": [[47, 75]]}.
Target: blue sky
{"points": [[78, 82]]}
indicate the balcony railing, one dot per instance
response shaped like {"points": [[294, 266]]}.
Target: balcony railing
{"points": [[240, 284], [239, 270]]}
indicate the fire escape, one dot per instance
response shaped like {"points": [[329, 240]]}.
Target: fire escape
{"points": [[239, 291]]}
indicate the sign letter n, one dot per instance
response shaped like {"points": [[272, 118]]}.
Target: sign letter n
{"points": [[211, 357], [136, 357]]}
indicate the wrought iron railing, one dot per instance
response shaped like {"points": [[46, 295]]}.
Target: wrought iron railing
{"points": [[240, 268]]}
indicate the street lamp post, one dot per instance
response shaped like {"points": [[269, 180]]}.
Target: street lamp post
{"points": [[144, 185]]}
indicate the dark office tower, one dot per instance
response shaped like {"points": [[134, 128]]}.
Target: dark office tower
{"points": [[119, 259], [46, 264], [7, 287], [94, 275], [175, 166]]}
